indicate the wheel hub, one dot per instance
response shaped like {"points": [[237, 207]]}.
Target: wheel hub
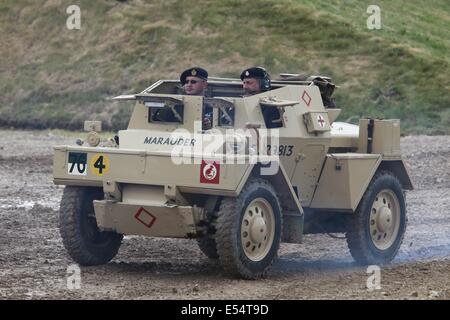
{"points": [[258, 229], [384, 219]]}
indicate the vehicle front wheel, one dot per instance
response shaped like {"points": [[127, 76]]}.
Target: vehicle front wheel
{"points": [[84, 242], [249, 230], [379, 224]]}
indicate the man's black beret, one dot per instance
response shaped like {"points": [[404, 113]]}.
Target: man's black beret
{"points": [[194, 72], [254, 72]]}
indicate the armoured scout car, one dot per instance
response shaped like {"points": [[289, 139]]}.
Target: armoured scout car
{"points": [[267, 168]]}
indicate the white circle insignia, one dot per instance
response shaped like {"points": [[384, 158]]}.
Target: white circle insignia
{"points": [[209, 171]]}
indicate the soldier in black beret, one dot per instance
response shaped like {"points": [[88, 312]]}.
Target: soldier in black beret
{"points": [[194, 81], [255, 80]]}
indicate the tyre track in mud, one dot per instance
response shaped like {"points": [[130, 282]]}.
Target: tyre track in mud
{"points": [[33, 262]]}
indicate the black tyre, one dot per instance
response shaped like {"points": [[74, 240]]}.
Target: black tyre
{"points": [[378, 227], [249, 230], [207, 245], [84, 242]]}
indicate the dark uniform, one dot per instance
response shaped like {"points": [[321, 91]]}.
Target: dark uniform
{"points": [[166, 115], [271, 115]]}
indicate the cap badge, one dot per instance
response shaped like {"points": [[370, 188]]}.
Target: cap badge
{"points": [[247, 73], [194, 72]]}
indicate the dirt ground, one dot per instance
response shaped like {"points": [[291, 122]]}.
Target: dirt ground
{"points": [[33, 261]]}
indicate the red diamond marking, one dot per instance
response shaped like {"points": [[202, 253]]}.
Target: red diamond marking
{"points": [[145, 217], [306, 98]]}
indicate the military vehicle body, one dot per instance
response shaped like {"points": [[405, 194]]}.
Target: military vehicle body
{"points": [[329, 177]]}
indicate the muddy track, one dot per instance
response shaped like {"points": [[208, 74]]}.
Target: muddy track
{"points": [[33, 262]]}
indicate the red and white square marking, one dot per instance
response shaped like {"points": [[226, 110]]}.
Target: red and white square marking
{"points": [[145, 217], [306, 98], [210, 172]]}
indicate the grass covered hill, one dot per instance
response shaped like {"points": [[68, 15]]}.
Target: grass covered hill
{"points": [[53, 77]]}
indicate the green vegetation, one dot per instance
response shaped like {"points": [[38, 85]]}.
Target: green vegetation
{"points": [[52, 77]]}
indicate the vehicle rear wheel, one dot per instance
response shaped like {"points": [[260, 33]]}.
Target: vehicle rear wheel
{"points": [[379, 224], [84, 242], [249, 230]]}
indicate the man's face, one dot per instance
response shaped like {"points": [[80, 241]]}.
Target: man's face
{"points": [[251, 86], [195, 86]]}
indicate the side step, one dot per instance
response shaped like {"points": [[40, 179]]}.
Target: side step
{"points": [[156, 220]]}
